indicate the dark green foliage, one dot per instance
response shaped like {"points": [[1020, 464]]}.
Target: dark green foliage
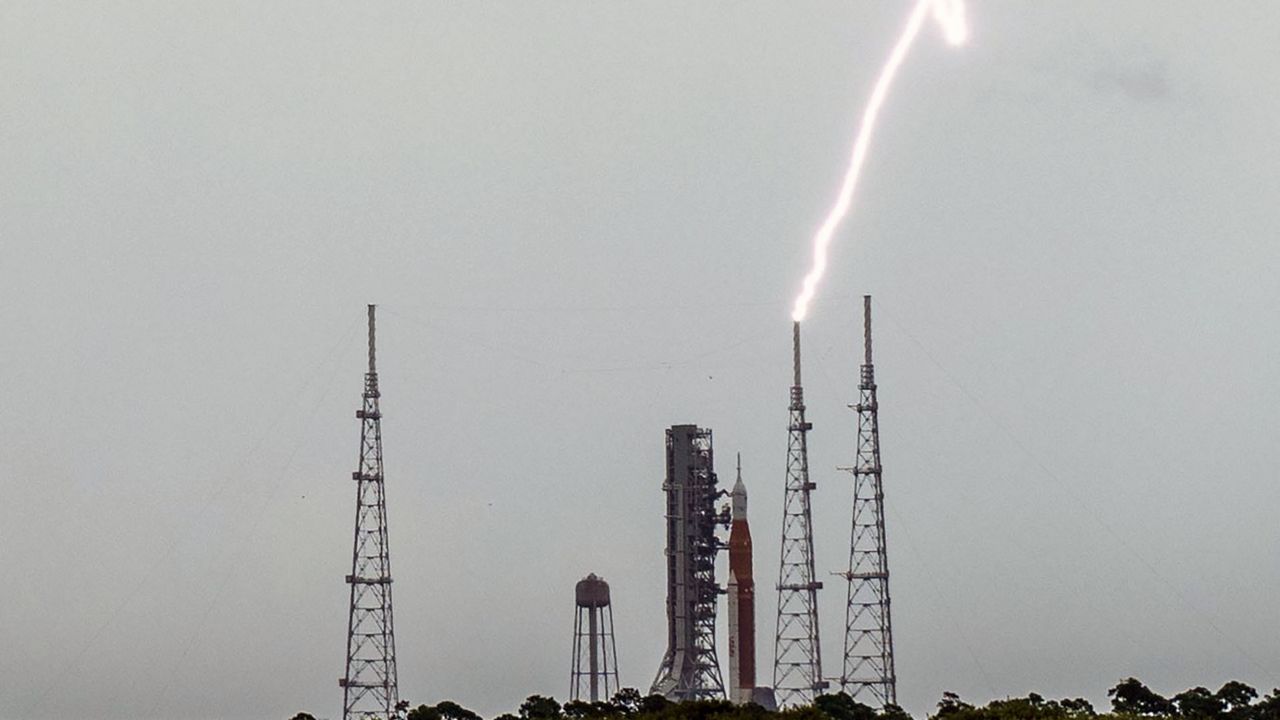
{"points": [[692, 710], [1199, 703], [580, 709], [842, 707], [1237, 697], [453, 711], [1131, 697], [537, 707], [804, 712], [752, 711], [1031, 707], [627, 701], [951, 704], [1077, 707], [654, 704], [1237, 694], [303, 716], [423, 712], [894, 712], [1130, 700], [444, 710], [1267, 709]]}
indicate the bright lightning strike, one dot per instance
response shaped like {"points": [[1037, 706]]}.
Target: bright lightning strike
{"points": [[950, 17]]}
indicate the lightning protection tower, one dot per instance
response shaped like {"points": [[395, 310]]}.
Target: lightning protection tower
{"points": [[593, 642], [868, 673], [797, 658], [369, 686], [690, 669]]}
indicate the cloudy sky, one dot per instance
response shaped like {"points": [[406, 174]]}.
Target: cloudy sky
{"points": [[584, 221]]}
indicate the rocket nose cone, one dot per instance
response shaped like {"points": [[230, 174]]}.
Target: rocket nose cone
{"points": [[739, 500]]}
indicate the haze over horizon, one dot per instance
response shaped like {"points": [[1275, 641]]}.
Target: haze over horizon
{"points": [[582, 223]]}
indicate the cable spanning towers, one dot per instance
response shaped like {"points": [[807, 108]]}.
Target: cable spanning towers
{"points": [[797, 659], [868, 634], [595, 653], [690, 669], [369, 687]]}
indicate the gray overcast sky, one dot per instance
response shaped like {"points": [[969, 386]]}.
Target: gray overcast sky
{"points": [[585, 221]]}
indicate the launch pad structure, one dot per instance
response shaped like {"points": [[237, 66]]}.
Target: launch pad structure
{"points": [[690, 669]]}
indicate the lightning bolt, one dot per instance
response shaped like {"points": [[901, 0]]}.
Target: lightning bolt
{"points": [[950, 16]]}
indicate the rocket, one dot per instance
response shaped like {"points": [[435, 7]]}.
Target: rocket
{"points": [[741, 599]]}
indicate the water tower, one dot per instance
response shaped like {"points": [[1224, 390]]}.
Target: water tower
{"points": [[595, 654]]}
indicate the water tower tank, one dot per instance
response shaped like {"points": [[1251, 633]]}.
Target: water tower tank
{"points": [[592, 592]]}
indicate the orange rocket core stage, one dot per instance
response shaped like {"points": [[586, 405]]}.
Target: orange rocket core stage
{"points": [[741, 600]]}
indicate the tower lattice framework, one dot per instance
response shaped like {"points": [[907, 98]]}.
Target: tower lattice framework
{"points": [[369, 685], [797, 663], [690, 669], [868, 673]]}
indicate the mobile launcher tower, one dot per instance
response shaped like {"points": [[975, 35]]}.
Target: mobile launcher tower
{"points": [[690, 669]]}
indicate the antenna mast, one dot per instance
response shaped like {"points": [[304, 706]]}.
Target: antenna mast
{"points": [[369, 687], [868, 633], [797, 654]]}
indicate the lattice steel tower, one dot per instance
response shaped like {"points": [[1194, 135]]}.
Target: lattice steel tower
{"points": [[797, 654], [690, 669], [868, 632], [369, 686]]}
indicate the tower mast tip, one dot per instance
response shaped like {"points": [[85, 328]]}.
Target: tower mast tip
{"points": [[866, 326], [795, 350], [373, 368]]}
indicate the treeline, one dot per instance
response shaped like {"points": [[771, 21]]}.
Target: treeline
{"points": [[1130, 699]]}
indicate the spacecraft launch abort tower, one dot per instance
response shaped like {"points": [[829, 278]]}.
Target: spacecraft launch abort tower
{"points": [[690, 669], [595, 653]]}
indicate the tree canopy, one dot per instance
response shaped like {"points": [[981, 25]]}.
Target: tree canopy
{"points": [[1130, 700]]}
